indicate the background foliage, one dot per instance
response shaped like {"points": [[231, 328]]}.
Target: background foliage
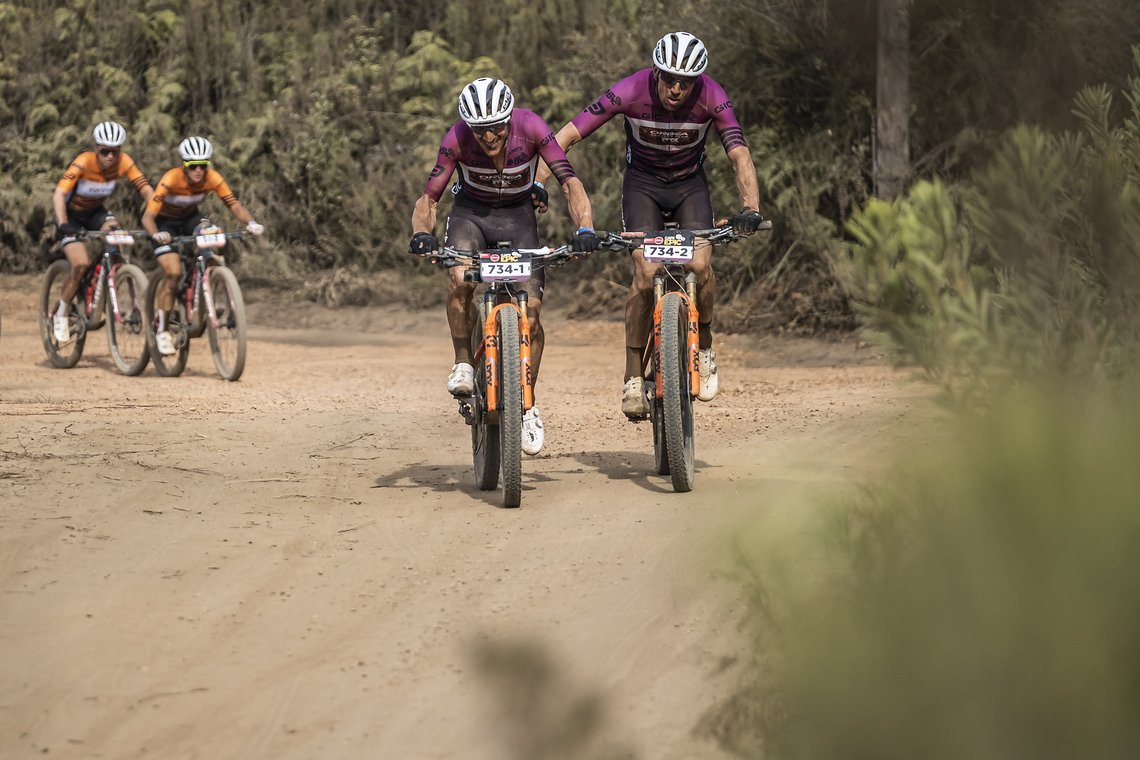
{"points": [[326, 115]]}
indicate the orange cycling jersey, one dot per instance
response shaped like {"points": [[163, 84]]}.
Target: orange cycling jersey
{"points": [[87, 185], [176, 197]]}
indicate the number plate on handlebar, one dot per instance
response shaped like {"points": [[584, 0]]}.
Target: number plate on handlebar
{"points": [[119, 237], [507, 266], [210, 237], [675, 246]]}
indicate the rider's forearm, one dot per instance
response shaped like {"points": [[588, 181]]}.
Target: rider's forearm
{"points": [[578, 202], [148, 223], [59, 205], [241, 213], [423, 217], [746, 183]]}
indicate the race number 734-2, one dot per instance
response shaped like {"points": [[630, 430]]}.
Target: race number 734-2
{"points": [[668, 246]]}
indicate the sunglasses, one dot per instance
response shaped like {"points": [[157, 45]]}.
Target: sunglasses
{"points": [[496, 129], [196, 164], [108, 151], [670, 81]]}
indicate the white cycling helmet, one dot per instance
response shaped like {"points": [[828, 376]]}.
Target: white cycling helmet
{"points": [[680, 53], [195, 149], [110, 134], [486, 101]]}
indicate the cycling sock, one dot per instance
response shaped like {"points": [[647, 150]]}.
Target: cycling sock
{"points": [[704, 335], [632, 361], [62, 308], [161, 320]]}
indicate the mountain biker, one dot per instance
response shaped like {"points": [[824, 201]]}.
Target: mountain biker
{"points": [[668, 108], [173, 210], [78, 205], [496, 148]]}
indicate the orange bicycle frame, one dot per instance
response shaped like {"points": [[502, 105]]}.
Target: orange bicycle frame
{"points": [[491, 356], [691, 345]]}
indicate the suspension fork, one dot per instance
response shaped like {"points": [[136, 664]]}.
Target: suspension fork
{"points": [[692, 334], [204, 285], [491, 351]]}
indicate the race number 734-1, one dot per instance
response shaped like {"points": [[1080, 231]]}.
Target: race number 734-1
{"points": [[668, 246], [505, 266]]}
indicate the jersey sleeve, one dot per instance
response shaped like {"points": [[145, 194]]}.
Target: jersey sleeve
{"points": [[731, 135], [552, 153], [445, 164], [215, 182], [71, 175], [161, 191], [134, 174], [608, 105]]}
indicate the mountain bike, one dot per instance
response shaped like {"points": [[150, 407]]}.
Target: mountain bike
{"points": [[500, 347], [208, 300], [110, 293], [670, 361]]}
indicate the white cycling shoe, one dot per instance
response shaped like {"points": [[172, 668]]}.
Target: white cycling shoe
{"points": [[461, 381], [532, 433], [706, 360], [164, 341], [634, 404], [60, 327]]}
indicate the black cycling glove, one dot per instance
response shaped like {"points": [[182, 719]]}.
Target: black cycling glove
{"points": [[539, 196], [746, 221], [65, 229], [423, 243], [586, 241]]}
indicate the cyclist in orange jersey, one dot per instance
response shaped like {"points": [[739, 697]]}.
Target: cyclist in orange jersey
{"points": [[173, 210], [78, 205]]}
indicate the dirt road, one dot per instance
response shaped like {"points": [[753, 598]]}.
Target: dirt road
{"points": [[298, 565]]}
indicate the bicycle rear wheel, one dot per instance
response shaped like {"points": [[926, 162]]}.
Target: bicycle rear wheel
{"points": [[66, 355], [176, 324], [484, 436], [510, 407], [677, 400], [126, 333], [226, 326]]}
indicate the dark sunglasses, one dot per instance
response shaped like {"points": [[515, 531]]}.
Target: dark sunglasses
{"points": [[670, 81], [495, 129], [196, 164], [108, 151]]}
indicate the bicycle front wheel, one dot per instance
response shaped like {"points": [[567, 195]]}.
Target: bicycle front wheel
{"points": [[226, 326], [510, 407], [61, 355], [166, 365], [677, 401], [484, 436], [126, 332]]}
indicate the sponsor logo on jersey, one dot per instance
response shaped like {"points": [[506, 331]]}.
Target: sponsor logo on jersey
{"points": [[667, 136], [596, 108], [613, 98], [89, 189]]}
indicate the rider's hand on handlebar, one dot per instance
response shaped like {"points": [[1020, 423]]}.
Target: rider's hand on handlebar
{"points": [[65, 229], [162, 237], [539, 197], [254, 228], [586, 241], [423, 243], [747, 221]]}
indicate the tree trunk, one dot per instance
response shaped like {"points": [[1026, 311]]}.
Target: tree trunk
{"points": [[892, 128]]}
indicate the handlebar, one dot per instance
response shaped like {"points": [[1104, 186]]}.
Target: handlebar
{"points": [[103, 233], [232, 235], [721, 234]]}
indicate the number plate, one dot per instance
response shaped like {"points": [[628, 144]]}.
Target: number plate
{"points": [[508, 266], [118, 237], [670, 246], [210, 237]]}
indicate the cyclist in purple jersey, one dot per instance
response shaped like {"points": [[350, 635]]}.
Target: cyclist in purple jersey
{"points": [[668, 109], [496, 148]]}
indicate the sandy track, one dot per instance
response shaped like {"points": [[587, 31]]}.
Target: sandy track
{"points": [[298, 566]]}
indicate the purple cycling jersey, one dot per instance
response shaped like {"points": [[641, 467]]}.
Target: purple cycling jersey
{"points": [[479, 180], [669, 145]]}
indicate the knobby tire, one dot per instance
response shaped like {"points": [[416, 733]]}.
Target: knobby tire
{"points": [[677, 400], [67, 355], [126, 332], [166, 366], [510, 407], [484, 436], [227, 339]]}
